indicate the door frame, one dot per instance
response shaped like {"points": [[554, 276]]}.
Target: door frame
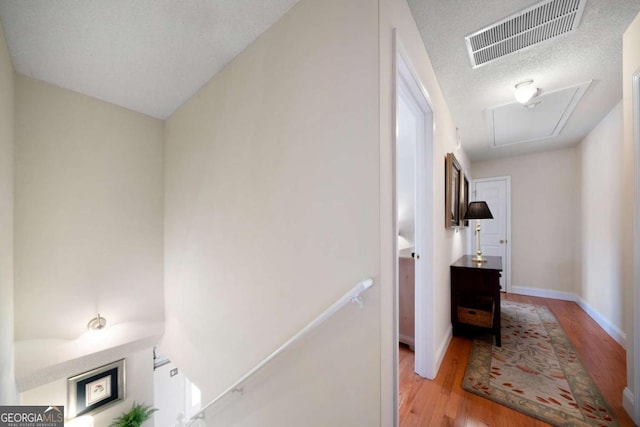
{"points": [[507, 261], [425, 349], [636, 246]]}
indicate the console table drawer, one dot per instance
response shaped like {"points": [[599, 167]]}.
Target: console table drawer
{"points": [[476, 317]]}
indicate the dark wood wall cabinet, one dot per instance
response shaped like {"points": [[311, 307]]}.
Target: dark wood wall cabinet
{"points": [[475, 295]]}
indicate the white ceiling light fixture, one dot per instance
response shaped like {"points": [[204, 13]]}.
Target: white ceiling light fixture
{"points": [[525, 91], [97, 323]]}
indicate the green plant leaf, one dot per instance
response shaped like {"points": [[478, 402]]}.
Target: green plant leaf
{"points": [[138, 414]]}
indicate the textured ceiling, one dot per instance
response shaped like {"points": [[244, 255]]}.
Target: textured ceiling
{"points": [[592, 52], [146, 55]]}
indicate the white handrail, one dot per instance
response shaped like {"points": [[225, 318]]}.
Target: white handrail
{"points": [[352, 296]]}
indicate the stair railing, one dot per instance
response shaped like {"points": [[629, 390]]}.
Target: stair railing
{"points": [[352, 296]]}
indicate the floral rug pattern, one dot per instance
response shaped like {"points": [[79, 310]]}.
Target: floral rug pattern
{"points": [[536, 371]]}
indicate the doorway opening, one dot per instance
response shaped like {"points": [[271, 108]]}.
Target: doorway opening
{"points": [[413, 229]]}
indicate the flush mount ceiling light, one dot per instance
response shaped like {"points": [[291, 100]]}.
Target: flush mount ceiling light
{"points": [[525, 91], [97, 323]]}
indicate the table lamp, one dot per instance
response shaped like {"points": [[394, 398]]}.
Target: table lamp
{"points": [[478, 211]]}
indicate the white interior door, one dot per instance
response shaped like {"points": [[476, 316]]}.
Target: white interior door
{"points": [[495, 234], [414, 205]]}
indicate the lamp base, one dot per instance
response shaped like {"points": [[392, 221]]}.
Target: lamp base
{"points": [[479, 259]]}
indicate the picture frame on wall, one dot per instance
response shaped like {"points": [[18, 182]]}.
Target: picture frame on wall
{"points": [[464, 201], [453, 179], [96, 390]]}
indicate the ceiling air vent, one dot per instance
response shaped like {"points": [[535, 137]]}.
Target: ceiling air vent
{"points": [[535, 24]]}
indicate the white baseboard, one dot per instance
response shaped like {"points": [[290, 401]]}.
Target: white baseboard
{"points": [[442, 348], [604, 323], [613, 331], [543, 293], [628, 402]]}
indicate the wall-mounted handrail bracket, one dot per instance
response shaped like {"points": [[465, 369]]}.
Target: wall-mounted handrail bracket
{"points": [[358, 300], [352, 296]]}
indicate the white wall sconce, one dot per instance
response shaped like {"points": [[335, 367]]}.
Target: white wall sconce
{"points": [[525, 91], [97, 323]]}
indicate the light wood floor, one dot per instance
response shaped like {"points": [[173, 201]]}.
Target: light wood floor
{"points": [[442, 402]]}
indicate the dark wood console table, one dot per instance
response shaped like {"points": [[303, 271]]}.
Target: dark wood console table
{"points": [[475, 295]]}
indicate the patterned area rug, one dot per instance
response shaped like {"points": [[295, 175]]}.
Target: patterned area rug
{"points": [[536, 371]]}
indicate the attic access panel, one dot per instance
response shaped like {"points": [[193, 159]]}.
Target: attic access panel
{"points": [[533, 25], [545, 117]]}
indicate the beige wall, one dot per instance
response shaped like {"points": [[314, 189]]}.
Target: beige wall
{"points": [[544, 205], [630, 65], [604, 221], [89, 215], [272, 214], [7, 378]]}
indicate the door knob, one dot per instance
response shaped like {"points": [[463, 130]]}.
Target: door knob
{"points": [[503, 241]]}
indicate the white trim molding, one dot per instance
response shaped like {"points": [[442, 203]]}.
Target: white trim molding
{"points": [[627, 400], [442, 348], [543, 293], [611, 329], [614, 332], [635, 397]]}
